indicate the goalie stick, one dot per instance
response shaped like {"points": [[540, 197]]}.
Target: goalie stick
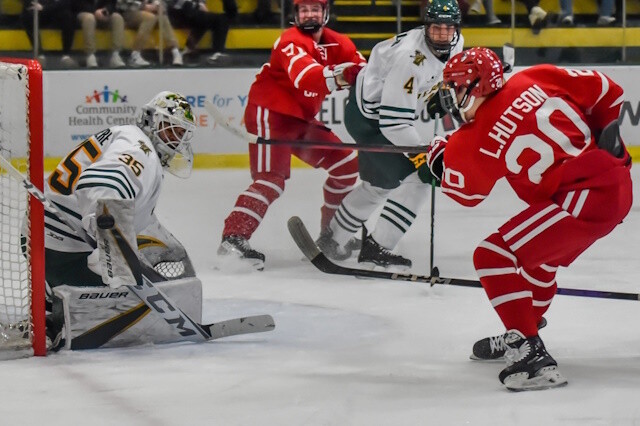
{"points": [[306, 244], [148, 292], [242, 133], [173, 315]]}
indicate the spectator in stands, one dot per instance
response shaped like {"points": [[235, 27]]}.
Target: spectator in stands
{"points": [[55, 13], [537, 15], [195, 15], [263, 13], [476, 8], [100, 13], [144, 16], [605, 14]]}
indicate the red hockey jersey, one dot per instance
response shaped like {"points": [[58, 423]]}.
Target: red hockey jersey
{"points": [[292, 82], [537, 132]]}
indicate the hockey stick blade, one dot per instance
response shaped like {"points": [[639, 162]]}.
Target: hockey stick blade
{"points": [[236, 326], [161, 304], [242, 133], [303, 240], [301, 236]]}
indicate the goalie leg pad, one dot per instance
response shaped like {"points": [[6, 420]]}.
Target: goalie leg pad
{"points": [[105, 317], [164, 252]]}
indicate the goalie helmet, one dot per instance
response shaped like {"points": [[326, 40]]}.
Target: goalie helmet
{"points": [[311, 26], [477, 71], [168, 121], [443, 12]]}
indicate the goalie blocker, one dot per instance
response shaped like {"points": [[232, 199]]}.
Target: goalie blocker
{"points": [[114, 316]]}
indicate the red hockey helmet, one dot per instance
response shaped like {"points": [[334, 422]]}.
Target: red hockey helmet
{"points": [[311, 26], [297, 2], [478, 71]]}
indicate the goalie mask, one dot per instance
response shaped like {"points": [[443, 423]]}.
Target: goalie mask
{"points": [[168, 121], [311, 24], [468, 75], [442, 18]]}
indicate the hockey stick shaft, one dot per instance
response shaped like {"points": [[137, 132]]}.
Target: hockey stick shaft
{"points": [[433, 209], [149, 293], [39, 195], [242, 133], [308, 247], [508, 57]]}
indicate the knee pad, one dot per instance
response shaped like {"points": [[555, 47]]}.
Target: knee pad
{"points": [[493, 252]]}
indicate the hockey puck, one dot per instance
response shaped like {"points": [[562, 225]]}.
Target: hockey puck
{"points": [[105, 221]]}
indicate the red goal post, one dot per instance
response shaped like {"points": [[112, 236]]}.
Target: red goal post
{"points": [[22, 282]]}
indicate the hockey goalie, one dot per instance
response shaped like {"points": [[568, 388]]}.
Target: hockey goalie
{"points": [[120, 169]]}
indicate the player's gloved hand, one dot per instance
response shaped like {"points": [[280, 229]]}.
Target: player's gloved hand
{"points": [[435, 155], [434, 107], [420, 163], [341, 76]]}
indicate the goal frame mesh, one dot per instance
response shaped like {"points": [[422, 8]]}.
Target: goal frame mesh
{"points": [[34, 119]]}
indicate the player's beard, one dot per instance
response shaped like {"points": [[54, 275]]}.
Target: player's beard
{"points": [[310, 26]]}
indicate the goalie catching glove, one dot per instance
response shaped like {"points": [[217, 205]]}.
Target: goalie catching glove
{"points": [[341, 76]]}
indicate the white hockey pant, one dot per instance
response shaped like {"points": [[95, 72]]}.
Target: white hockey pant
{"points": [[398, 214]]}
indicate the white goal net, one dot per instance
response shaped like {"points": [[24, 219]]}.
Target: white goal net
{"points": [[21, 251]]}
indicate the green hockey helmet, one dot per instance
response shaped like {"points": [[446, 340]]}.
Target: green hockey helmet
{"points": [[445, 12]]}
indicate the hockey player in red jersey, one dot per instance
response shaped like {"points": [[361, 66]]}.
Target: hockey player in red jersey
{"points": [[553, 134], [307, 62]]}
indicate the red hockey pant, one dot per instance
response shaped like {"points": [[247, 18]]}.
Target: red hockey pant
{"points": [[271, 167], [517, 265]]}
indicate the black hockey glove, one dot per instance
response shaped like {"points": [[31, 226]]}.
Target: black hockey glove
{"points": [[420, 163], [435, 107]]}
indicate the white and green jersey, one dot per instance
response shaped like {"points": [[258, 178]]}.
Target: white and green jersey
{"points": [[118, 162], [401, 75]]}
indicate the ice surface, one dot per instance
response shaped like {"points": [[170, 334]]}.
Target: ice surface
{"points": [[348, 351]]}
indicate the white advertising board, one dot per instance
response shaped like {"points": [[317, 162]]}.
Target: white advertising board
{"points": [[80, 103]]}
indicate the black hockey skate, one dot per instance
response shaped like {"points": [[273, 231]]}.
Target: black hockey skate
{"points": [[330, 247], [529, 366], [376, 255], [493, 348], [239, 246]]}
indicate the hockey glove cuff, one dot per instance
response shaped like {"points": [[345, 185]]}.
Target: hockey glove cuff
{"points": [[420, 163], [435, 155], [341, 76]]}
